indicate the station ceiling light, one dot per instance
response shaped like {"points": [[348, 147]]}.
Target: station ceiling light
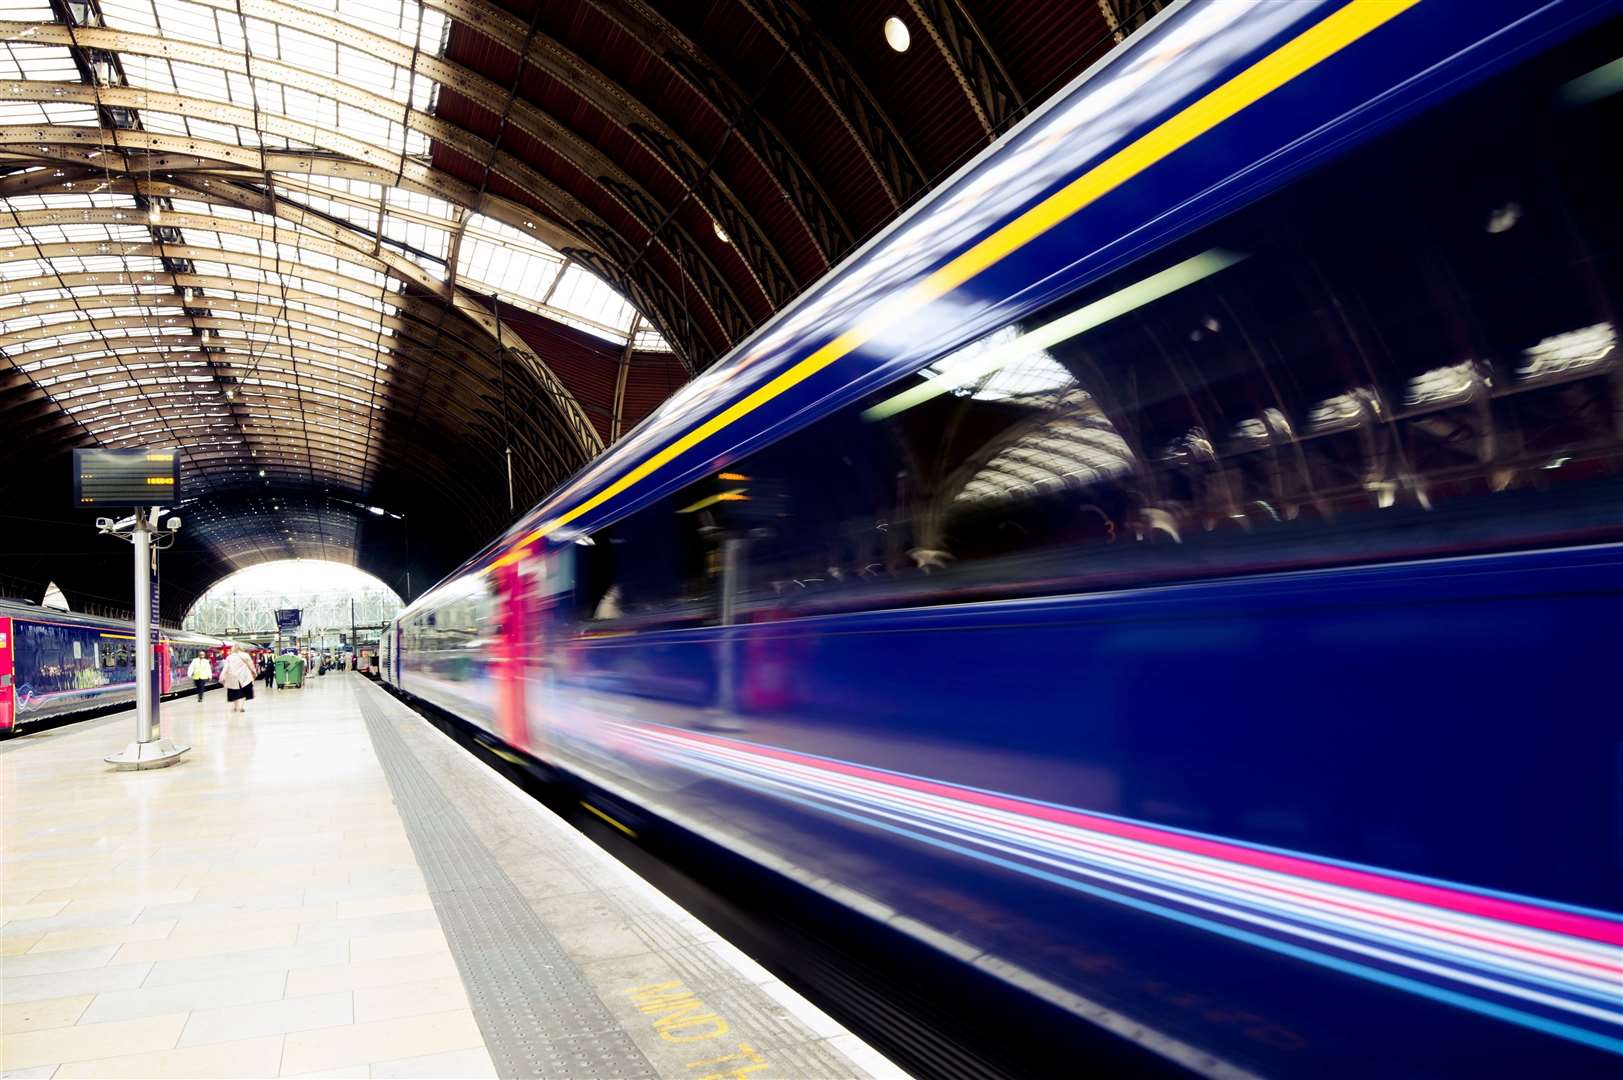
{"points": [[897, 35]]}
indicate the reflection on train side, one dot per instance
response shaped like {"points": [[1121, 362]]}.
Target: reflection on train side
{"points": [[1324, 379]]}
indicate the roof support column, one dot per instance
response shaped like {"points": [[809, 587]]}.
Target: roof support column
{"points": [[617, 418]]}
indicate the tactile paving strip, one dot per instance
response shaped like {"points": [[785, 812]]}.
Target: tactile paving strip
{"points": [[537, 1012]]}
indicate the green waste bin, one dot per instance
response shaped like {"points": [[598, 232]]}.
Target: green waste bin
{"points": [[289, 671]]}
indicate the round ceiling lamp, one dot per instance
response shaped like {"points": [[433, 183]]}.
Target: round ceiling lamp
{"points": [[896, 34]]}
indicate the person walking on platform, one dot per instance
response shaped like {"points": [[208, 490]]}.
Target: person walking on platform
{"points": [[237, 676], [200, 673], [267, 671]]}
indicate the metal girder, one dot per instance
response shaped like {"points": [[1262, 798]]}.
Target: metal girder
{"points": [[719, 299], [617, 415], [413, 346], [335, 450], [149, 250], [146, 358], [37, 144], [335, 354], [34, 181], [488, 170], [176, 154], [718, 296], [196, 162], [44, 435], [377, 165], [312, 331], [302, 364], [568, 407], [330, 245], [261, 399], [35, 407], [893, 163], [191, 252], [195, 281], [968, 53], [1125, 16], [420, 433], [322, 358], [542, 402], [610, 99], [795, 182]]}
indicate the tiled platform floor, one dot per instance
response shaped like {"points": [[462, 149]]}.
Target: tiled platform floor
{"points": [[258, 910]]}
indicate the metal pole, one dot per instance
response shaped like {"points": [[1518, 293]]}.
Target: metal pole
{"points": [[148, 751], [143, 629]]}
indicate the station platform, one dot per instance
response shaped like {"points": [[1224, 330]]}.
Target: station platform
{"points": [[326, 885]]}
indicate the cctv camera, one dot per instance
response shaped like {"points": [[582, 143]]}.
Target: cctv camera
{"points": [[104, 524]]}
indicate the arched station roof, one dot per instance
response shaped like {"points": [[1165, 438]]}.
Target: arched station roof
{"points": [[354, 256]]}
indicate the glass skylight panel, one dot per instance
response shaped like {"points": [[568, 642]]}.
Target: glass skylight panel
{"points": [[289, 313], [130, 14], [194, 80], [148, 72], [55, 112], [70, 114], [582, 293], [416, 235], [23, 61], [21, 112], [68, 199], [28, 10], [372, 73]]}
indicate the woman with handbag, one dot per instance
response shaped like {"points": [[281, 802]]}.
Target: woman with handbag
{"points": [[237, 676]]}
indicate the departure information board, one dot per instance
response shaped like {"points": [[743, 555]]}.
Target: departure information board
{"points": [[119, 478]]}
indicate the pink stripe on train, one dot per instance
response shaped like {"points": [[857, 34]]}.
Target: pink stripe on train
{"points": [[1033, 828], [1551, 920]]}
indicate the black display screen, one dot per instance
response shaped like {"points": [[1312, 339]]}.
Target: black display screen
{"points": [[126, 477]]}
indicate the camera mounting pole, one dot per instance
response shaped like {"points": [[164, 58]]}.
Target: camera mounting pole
{"points": [[148, 479], [148, 751]]}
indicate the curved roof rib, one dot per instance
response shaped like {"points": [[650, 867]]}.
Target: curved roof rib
{"points": [[439, 252]]}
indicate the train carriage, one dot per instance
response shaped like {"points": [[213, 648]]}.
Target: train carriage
{"points": [[1174, 568], [54, 663]]}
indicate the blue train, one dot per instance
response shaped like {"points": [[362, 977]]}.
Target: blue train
{"points": [[1176, 569]]}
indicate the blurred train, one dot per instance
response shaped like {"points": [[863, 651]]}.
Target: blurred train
{"points": [[55, 664], [1176, 568]]}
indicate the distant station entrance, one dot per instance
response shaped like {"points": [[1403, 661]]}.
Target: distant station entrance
{"points": [[314, 607]]}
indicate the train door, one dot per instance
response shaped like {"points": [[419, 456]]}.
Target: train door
{"points": [[162, 655], [511, 646], [546, 577]]}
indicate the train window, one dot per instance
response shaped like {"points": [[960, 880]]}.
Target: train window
{"points": [[54, 658], [659, 567], [1411, 352]]}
